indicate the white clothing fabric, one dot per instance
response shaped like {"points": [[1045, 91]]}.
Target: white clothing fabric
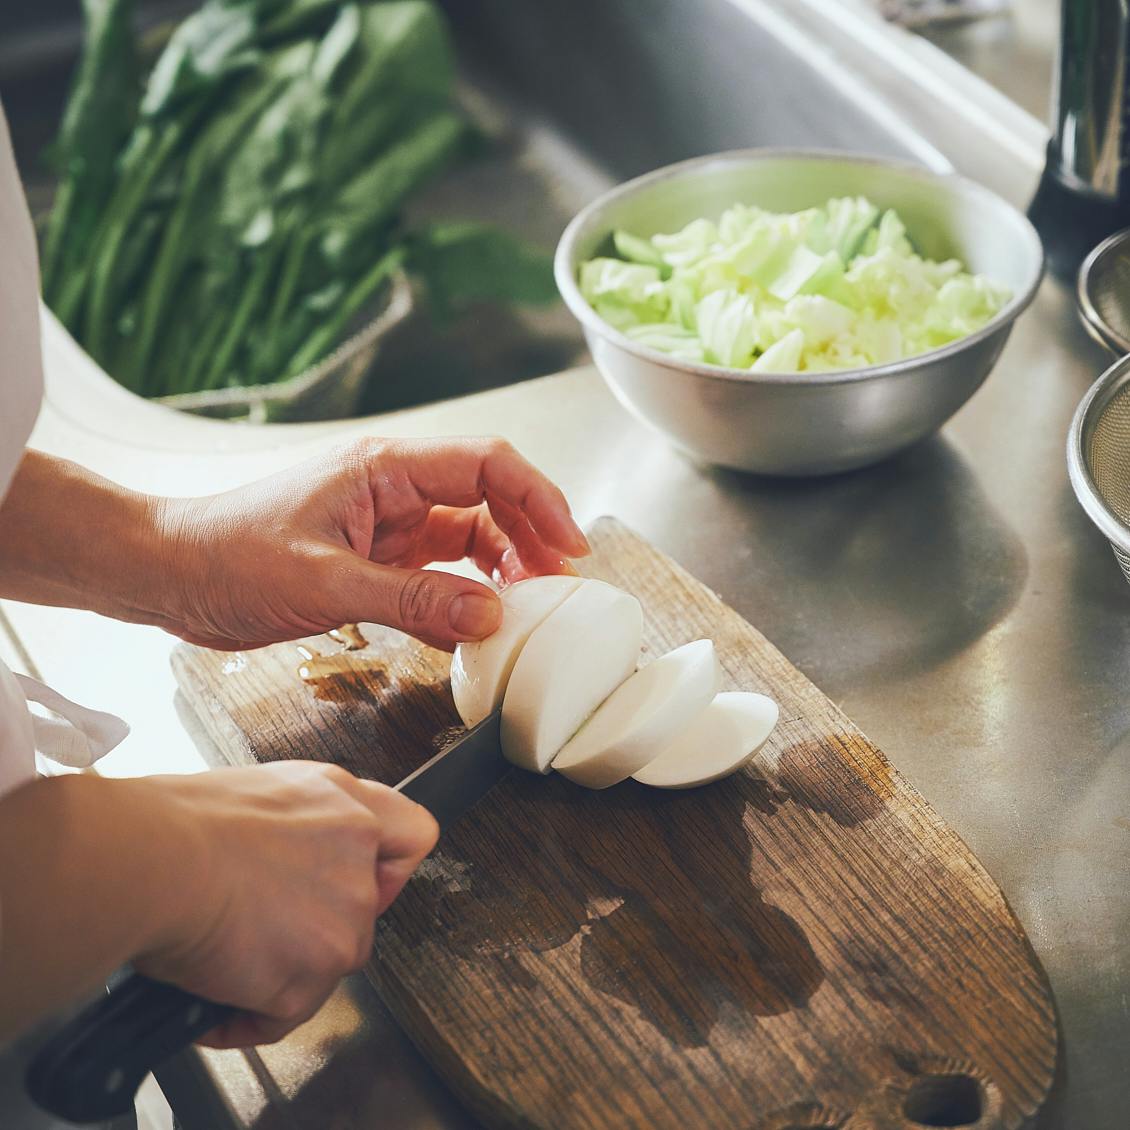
{"points": [[67, 734]]}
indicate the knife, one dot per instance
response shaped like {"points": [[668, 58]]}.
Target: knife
{"points": [[91, 1068]]}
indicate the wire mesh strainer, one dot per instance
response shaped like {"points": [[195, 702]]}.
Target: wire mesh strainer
{"points": [[1098, 457]]}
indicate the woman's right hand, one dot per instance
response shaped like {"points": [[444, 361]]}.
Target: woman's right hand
{"points": [[288, 866]]}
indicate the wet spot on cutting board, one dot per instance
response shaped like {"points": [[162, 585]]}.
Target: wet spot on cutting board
{"points": [[703, 915], [446, 736], [341, 678], [639, 892], [349, 636], [764, 796], [453, 875], [764, 963], [817, 777]]}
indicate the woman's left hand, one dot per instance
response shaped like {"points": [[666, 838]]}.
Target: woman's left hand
{"points": [[343, 539]]}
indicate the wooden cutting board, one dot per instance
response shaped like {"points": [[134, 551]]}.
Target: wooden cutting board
{"points": [[804, 945]]}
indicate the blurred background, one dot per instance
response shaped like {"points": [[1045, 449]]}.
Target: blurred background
{"points": [[539, 147]]}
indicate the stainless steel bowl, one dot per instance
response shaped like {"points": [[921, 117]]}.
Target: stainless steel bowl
{"points": [[801, 423], [1102, 293], [1098, 457]]}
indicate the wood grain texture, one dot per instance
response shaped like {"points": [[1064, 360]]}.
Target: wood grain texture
{"points": [[805, 944]]}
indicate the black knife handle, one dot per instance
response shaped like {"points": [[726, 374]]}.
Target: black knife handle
{"points": [[91, 1069]]}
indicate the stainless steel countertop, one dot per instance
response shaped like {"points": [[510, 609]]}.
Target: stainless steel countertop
{"points": [[955, 601]]}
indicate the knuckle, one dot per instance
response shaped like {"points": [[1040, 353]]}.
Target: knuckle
{"points": [[497, 447], [345, 955], [273, 1033], [365, 832], [362, 949], [366, 897], [419, 600], [336, 775], [428, 830], [360, 452], [292, 1003]]}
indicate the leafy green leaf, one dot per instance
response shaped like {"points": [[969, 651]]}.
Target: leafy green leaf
{"points": [[469, 262], [209, 47], [229, 224], [370, 198], [99, 115]]}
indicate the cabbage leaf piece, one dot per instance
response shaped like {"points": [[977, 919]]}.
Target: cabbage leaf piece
{"points": [[832, 287]]}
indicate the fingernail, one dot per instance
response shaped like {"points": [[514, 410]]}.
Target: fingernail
{"points": [[473, 615]]}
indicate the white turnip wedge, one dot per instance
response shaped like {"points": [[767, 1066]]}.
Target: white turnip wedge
{"points": [[571, 663], [723, 738], [481, 670], [639, 718]]}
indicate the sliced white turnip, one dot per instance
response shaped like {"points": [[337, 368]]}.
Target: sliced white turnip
{"points": [[481, 670], [571, 663], [723, 738], [638, 719]]}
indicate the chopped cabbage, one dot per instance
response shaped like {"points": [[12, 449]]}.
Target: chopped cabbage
{"points": [[834, 287], [676, 340], [624, 294], [726, 327]]}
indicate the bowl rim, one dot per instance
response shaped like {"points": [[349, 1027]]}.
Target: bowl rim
{"points": [[1093, 322], [564, 268], [1097, 397]]}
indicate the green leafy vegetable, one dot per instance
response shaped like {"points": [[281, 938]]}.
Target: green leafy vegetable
{"points": [[229, 223], [99, 116], [834, 287], [469, 262]]}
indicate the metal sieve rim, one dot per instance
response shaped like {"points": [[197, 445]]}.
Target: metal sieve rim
{"points": [[1095, 324], [1083, 425]]}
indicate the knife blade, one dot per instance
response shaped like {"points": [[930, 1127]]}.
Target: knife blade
{"points": [[91, 1068], [461, 774]]}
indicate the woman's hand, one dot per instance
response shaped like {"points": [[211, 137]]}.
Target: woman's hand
{"points": [[332, 541], [343, 539], [297, 860], [253, 887]]}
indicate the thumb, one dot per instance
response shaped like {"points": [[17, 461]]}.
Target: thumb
{"points": [[439, 608]]}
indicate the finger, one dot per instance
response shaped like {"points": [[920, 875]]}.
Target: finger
{"points": [[408, 830], [465, 472], [511, 568], [451, 534], [535, 555], [246, 1030], [392, 875], [292, 1005], [433, 606], [439, 645]]}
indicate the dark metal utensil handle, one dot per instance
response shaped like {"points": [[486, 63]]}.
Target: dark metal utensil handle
{"points": [[91, 1069]]}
